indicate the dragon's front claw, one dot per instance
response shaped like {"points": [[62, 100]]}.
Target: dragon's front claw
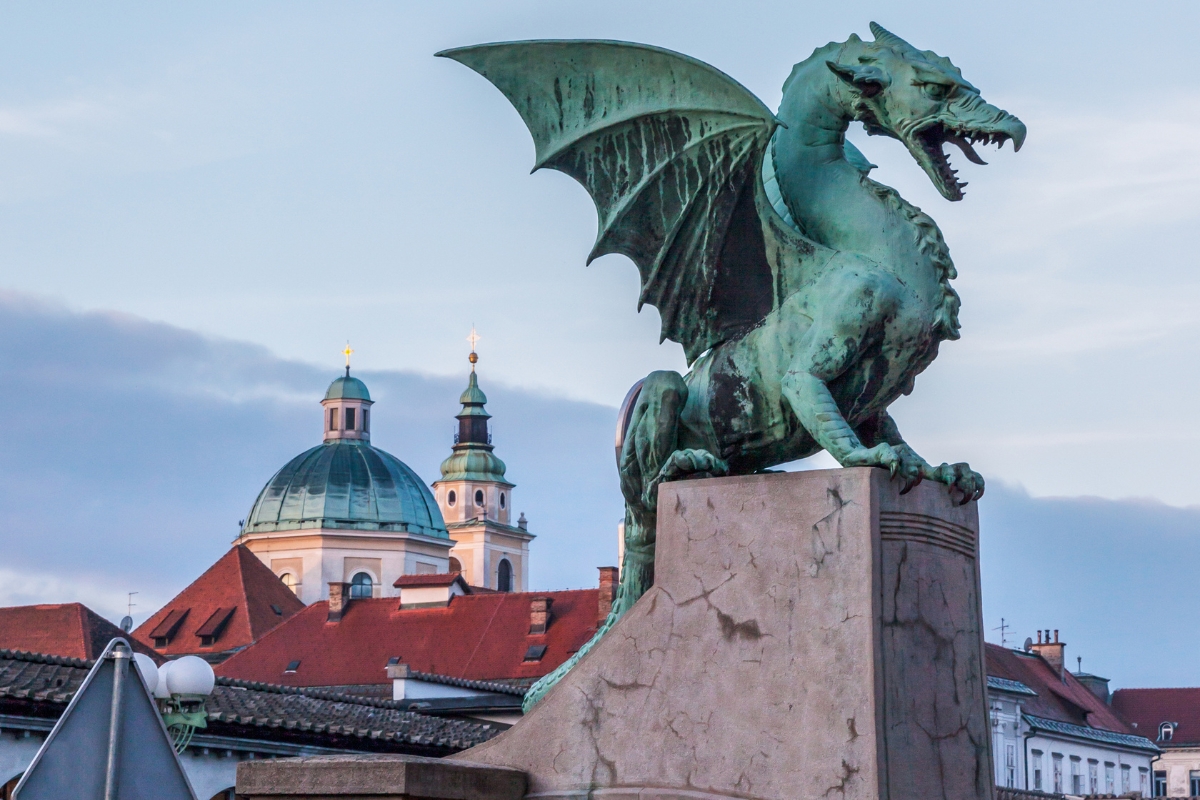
{"points": [[962, 478]]}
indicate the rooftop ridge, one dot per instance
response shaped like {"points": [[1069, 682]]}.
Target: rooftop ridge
{"points": [[466, 683]]}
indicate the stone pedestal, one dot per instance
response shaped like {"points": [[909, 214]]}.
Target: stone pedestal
{"points": [[376, 777], [809, 635]]}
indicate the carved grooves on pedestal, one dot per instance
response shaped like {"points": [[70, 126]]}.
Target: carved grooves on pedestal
{"points": [[900, 526]]}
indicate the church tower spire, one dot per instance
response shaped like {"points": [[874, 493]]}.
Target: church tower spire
{"points": [[476, 499]]}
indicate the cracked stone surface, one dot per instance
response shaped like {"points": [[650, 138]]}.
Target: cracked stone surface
{"points": [[809, 635]]}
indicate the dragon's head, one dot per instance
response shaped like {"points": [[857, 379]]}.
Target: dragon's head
{"points": [[923, 100]]}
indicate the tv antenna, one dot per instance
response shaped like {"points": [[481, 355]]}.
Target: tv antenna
{"points": [[1004, 628]]}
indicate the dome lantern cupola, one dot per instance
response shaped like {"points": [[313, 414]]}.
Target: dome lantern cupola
{"points": [[347, 407]]}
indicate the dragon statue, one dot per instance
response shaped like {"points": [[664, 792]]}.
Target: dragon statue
{"points": [[807, 297]]}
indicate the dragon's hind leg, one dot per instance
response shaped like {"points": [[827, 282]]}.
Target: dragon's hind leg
{"points": [[649, 456]]}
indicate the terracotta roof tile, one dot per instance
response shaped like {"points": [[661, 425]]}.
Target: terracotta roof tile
{"points": [[1150, 708], [477, 637], [71, 630], [240, 587], [432, 579], [1059, 698]]}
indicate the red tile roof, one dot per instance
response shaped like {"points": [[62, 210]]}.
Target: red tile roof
{"points": [[70, 630], [1150, 708], [477, 637], [231, 605], [1063, 698]]}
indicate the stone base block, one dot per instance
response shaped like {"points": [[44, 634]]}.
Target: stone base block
{"points": [[809, 635], [380, 777]]}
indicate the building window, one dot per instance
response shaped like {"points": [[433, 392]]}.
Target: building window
{"points": [[1093, 776], [1076, 775], [1110, 778], [361, 585], [1035, 764], [291, 667], [504, 576], [1194, 780], [479, 497], [1010, 764], [1058, 773], [1160, 783], [289, 580], [451, 498], [349, 419], [1143, 775], [333, 419], [502, 499], [366, 420], [455, 564], [1166, 731], [1125, 779]]}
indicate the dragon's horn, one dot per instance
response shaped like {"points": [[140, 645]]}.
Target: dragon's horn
{"points": [[884, 36]]}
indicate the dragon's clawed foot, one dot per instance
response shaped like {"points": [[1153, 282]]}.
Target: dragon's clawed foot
{"points": [[961, 477], [685, 464]]}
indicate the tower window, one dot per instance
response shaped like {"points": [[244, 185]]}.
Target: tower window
{"points": [[366, 420], [349, 419], [451, 498], [502, 499], [361, 586], [479, 497], [333, 419], [504, 576], [455, 564], [289, 580]]}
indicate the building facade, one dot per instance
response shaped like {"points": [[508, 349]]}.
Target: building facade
{"points": [[1056, 732], [1172, 718], [476, 501], [345, 512]]}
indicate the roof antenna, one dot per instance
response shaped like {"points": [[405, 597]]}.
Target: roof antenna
{"points": [[127, 620], [347, 353], [1078, 664], [1003, 627]]}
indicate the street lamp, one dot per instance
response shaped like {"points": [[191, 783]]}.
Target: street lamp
{"points": [[180, 688]]}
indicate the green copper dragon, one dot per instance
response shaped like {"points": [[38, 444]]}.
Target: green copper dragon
{"points": [[807, 297]]}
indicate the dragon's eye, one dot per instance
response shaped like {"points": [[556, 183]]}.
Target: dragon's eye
{"points": [[936, 91]]}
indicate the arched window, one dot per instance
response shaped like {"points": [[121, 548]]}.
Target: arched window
{"points": [[502, 499], [289, 580], [455, 564], [504, 576], [1166, 731], [361, 585], [479, 497], [451, 498]]}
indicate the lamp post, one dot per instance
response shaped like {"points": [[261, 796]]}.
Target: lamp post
{"points": [[180, 689]]}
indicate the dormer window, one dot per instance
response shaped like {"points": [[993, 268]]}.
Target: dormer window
{"points": [[349, 419], [1166, 731]]}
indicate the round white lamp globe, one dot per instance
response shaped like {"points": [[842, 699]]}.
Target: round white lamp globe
{"points": [[160, 686], [148, 669], [190, 675]]}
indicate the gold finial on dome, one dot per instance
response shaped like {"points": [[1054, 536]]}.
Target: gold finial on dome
{"points": [[347, 353], [473, 338]]}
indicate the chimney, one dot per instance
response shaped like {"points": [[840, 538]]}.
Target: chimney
{"points": [[339, 598], [539, 615], [1051, 652], [608, 591]]}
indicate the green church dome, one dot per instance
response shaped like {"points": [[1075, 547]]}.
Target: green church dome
{"points": [[347, 388], [346, 484]]}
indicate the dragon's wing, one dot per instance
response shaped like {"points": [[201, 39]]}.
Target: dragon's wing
{"points": [[669, 149]]}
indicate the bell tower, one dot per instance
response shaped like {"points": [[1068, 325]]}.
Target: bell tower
{"points": [[475, 498]]}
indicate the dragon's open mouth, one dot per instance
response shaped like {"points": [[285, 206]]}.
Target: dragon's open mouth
{"points": [[931, 139]]}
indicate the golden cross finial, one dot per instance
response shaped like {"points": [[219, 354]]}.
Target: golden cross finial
{"points": [[347, 353], [473, 338]]}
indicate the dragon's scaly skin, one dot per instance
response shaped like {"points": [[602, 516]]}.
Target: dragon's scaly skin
{"points": [[807, 296]]}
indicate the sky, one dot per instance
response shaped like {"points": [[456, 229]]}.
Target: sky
{"points": [[200, 204]]}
